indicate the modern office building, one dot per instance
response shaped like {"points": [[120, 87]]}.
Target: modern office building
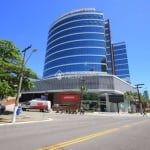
{"points": [[82, 65], [76, 43], [116, 53], [121, 61]]}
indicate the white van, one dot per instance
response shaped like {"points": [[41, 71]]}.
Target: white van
{"points": [[42, 105]]}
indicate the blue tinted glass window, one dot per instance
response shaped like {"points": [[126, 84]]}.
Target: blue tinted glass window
{"points": [[76, 30], [108, 45], [108, 58], [122, 51], [81, 43], [76, 67], [109, 65], [124, 61], [108, 51], [77, 37], [124, 76], [119, 72], [116, 47], [77, 59], [77, 23], [123, 56], [77, 51], [109, 71], [77, 17], [123, 66]]}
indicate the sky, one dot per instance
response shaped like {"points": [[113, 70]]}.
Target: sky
{"points": [[27, 22]]}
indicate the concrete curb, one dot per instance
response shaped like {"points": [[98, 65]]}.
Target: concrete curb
{"points": [[118, 114], [25, 122]]}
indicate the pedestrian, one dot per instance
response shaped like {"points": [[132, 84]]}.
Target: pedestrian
{"points": [[82, 110], [144, 113]]}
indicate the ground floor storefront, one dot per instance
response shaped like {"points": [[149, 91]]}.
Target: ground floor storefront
{"points": [[93, 91], [74, 101]]}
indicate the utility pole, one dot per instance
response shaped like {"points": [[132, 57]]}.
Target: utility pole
{"points": [[20, 83], [139, 97], [83, 89]]}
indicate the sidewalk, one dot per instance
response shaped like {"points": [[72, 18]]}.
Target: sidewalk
{"points": [[36, 115], [25, 116]]}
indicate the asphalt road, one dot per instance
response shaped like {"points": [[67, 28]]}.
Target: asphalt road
{"points": [[78, 132]]}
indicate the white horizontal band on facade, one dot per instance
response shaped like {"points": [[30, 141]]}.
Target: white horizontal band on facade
{"points": [[120, 75], [72, 48], [84, 55], [109, 68], [121, 64], [119, 44], [120, 59], [77, 14], [95, 26], [79, 33], [108, 54], [90, 19], [107, 47], [70, 64], [121, 70], [120, 49], [77, 11], [107, 41], [120, 54], [76, 41]]}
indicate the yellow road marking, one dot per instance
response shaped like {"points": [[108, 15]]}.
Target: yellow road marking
{"points": [[88, 137], [78, 140]]}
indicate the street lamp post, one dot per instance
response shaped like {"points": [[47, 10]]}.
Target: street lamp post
{"points": [[20, 82], [139, 97]]}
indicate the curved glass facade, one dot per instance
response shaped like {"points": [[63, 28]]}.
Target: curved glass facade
{"points": [[76, 43]]}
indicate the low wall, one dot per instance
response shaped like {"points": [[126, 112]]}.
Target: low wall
{"points": [[9, 101]]}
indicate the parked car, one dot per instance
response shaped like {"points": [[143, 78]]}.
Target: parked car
{"points": [[2, 109], [42, 105]]}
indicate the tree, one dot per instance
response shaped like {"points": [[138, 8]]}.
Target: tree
{"points": [[10, 67], [130, 96]]}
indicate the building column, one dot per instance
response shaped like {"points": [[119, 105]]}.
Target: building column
{"points": [[107, 103]]}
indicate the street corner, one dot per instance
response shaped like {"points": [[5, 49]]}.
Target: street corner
{"points": [[25, 117], [30, 116]]}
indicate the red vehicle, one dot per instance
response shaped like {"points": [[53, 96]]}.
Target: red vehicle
{"points": [[42, 105]]}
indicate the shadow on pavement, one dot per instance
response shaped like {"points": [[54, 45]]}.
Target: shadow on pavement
{"points": [[7, 113], [6, 117]]}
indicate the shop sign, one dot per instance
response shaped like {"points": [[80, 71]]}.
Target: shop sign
{"points": [[70, 97]]}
